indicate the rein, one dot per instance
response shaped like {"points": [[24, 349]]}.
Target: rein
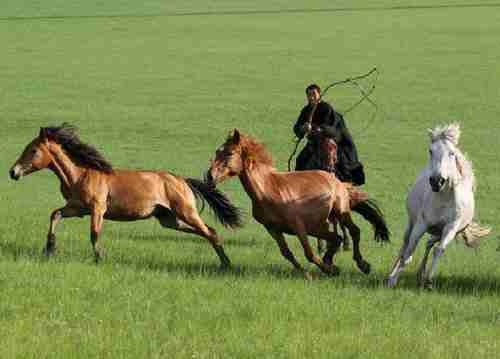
{"points": [[365, 95]]}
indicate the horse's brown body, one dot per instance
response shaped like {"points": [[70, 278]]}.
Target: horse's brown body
{"points": [[278, 203], [299, 203], [132, 195], [92, 187]]}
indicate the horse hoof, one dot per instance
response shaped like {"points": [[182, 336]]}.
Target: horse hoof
{"points": [[332, 271], [420, 280], [98, 259], [428, 285], [389, 282], [328, 260], [364, 267], [335, 271], [308, 276], [49, 252], [225, 267]]}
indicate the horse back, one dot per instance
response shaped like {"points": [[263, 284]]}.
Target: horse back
{"points": [[136, 194], [290, 196]]}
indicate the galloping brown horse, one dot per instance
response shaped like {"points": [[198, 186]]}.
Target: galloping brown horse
{"points": [[92, 187], [299, 203]]}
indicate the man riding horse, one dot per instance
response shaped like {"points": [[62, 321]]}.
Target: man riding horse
{"points": [[322, 124]]}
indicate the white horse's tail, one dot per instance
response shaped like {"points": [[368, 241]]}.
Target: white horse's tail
{"points": [[473, 233]]}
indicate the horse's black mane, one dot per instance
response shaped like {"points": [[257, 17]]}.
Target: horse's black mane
{"points": [[67, 136]]}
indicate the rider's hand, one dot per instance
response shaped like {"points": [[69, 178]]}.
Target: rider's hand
{"points": [[316, 130], [307, 127]]}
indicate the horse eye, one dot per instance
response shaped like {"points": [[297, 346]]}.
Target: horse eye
{"points": [[33, 151], [452, 154], [430, 152]]}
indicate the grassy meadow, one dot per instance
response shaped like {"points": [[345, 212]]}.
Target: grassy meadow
{"points": [[158, 85]]}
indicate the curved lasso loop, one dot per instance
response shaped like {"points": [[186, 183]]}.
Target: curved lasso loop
{"points": [[347, 80]]}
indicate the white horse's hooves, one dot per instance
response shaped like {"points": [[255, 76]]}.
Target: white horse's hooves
{"points": [[390, 282], [308, 276]]}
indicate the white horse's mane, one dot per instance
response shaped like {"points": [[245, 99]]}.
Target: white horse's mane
{"points": [[449, 132], [452, 133], [467, 168]]}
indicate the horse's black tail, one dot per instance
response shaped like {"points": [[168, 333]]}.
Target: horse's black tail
{"points": [[370, 211], [225, 212]]}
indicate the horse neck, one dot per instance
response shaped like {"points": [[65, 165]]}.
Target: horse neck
{"points": [[254, 180], [68, 172]]}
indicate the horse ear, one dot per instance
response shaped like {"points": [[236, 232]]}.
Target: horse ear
{"points": [[43, 133], [236, 136], [430, 132]]}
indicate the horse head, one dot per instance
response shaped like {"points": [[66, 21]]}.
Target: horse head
{"points": [[446, 160], [328, 156], [228, 160], [35, 157], [239, 154]]}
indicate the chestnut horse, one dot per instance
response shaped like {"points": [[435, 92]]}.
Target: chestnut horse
{"points": [[92, 187], [298, 203]]}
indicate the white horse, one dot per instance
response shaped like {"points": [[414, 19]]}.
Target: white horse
{"points": [[440, 203]]}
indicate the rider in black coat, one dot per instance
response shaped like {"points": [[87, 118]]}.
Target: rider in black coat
{"points": [[326, 121]]}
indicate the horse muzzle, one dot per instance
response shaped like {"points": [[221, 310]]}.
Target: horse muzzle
{"points": [[15, 175], [437, 183]]}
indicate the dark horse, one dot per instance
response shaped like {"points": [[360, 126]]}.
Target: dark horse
{"points": [[92, 187], [300, 203]]}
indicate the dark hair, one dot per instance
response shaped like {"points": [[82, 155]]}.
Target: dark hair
{"points": [[67, 136], [312, 87]]}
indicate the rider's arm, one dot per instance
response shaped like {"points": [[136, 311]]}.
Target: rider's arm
{"points": [[298, 128]]}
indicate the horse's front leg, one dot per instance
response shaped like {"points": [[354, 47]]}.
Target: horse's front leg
{"points": [[55, 218], [449, 233], [406, 252], [311, 256], [284, 249], [423, 265], [97, 219]]}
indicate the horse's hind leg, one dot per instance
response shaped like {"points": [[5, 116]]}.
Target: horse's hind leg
{"points": [[191, 222], [346, 220], [449, 233], [334, 241], [320, 245], [345, 238]]}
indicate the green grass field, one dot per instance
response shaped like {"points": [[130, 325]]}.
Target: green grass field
{"points": [[157, 85]]}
